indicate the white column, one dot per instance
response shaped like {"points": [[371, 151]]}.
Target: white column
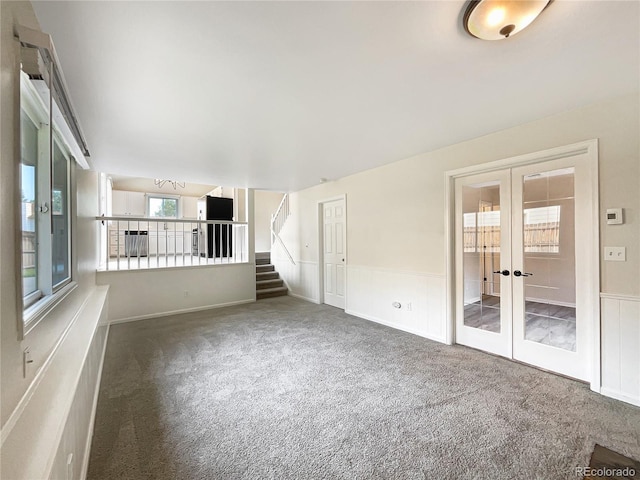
{"points": [[250, 239]]}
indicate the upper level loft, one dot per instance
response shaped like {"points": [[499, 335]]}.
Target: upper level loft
{"points": [[153, 223]]}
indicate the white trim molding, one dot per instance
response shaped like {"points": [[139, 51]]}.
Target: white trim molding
{"points": [[180, 311]]}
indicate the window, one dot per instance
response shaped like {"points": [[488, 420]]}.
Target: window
{"points": [[163, 206], [28, 175], [542, 229], [482, 230], [45, 171]]}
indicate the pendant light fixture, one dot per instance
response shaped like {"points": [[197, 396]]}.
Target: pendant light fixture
{"points": [[159, 182], [500, 19]]}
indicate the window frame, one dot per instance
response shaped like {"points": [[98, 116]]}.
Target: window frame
{"points": [[37, 304], [163, 196]]}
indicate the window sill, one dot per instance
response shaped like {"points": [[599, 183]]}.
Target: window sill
{"points": [[35, 313]]}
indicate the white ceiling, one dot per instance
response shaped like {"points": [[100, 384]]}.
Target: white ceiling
{"points": [[276, 95]]}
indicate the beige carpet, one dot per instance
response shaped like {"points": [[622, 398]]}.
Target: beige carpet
{"points": [[285, 389]]}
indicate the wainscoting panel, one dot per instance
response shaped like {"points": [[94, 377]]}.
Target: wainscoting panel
{"points": [[372, 292], [49, 433], [76, 438], [620, 325], [301, 278]]}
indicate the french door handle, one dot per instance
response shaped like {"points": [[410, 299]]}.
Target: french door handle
{"points": [[518, 273], [504, 272]]}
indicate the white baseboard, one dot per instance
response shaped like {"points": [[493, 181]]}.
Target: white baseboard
{"points": [[607, 392], [178, 312], [551, 302], [94, 409], [395, 326], [528, 299], [302, 297]]}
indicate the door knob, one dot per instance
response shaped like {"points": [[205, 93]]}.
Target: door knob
{"points": [[504, 272], [518, 273]]}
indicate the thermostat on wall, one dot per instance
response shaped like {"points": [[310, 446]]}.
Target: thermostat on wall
{"points": [[614, 216]]}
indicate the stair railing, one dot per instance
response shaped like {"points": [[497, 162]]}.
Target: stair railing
{"points": [[278, 220]]}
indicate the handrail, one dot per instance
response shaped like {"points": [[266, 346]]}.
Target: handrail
{"points": [[278, 220], [284, 247], [134, 243], [167, 220], [285, 198]]}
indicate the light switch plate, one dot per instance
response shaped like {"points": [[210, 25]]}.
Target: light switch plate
{"points": [[615, 254]]}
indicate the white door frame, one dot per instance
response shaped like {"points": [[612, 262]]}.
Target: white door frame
{"points": [[587, 148], [320, 212]]}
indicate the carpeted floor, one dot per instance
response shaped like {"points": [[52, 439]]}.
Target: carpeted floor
{"points": [[286, 389]]}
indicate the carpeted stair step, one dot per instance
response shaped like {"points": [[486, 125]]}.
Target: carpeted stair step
{"points": [[271, 292], [263, 261], [266, 276], [272, 283], [265, 268]]}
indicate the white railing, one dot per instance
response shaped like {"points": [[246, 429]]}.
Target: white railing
{"points": [[281, 215], [135, 243], [278, 220]]}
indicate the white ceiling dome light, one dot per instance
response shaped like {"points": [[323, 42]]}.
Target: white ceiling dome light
{"points": [[500, 19]]}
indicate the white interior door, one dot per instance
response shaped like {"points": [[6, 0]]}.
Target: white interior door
{"points": [[334, 252], [551, 318], [518, 261], [483, 293]]}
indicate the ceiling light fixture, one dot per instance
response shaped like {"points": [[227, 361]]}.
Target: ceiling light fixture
{"points": [[500, 19], [159, 183]]}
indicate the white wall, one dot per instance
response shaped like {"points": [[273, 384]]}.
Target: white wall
{"points": [[395, 224], [266, 204], [136, 294], [26, 443], [189, 207]]}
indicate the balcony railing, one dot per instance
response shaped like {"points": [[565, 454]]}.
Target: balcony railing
{"points": [[145, 243]]}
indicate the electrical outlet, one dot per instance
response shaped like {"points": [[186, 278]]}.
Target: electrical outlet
{"points": [[408, 306], [186, 294]]}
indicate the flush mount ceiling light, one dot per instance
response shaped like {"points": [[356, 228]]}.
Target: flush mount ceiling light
{"points": [[159, 182], [500, 19]]}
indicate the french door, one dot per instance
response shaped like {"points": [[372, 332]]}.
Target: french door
{"points": [[519, 240]]}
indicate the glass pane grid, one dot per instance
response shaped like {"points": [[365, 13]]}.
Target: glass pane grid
{"points": [[548, 228], [481, 256]]}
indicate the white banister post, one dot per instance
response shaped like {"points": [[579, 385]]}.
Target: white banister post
{"points": [[251, 240]]}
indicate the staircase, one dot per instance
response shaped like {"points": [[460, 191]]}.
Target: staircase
{"points": [[268, 281]]}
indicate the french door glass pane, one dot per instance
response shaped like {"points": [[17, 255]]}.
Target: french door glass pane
{"points": [[60, 217], [28, 177], [549, 258], [481, 255]]}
